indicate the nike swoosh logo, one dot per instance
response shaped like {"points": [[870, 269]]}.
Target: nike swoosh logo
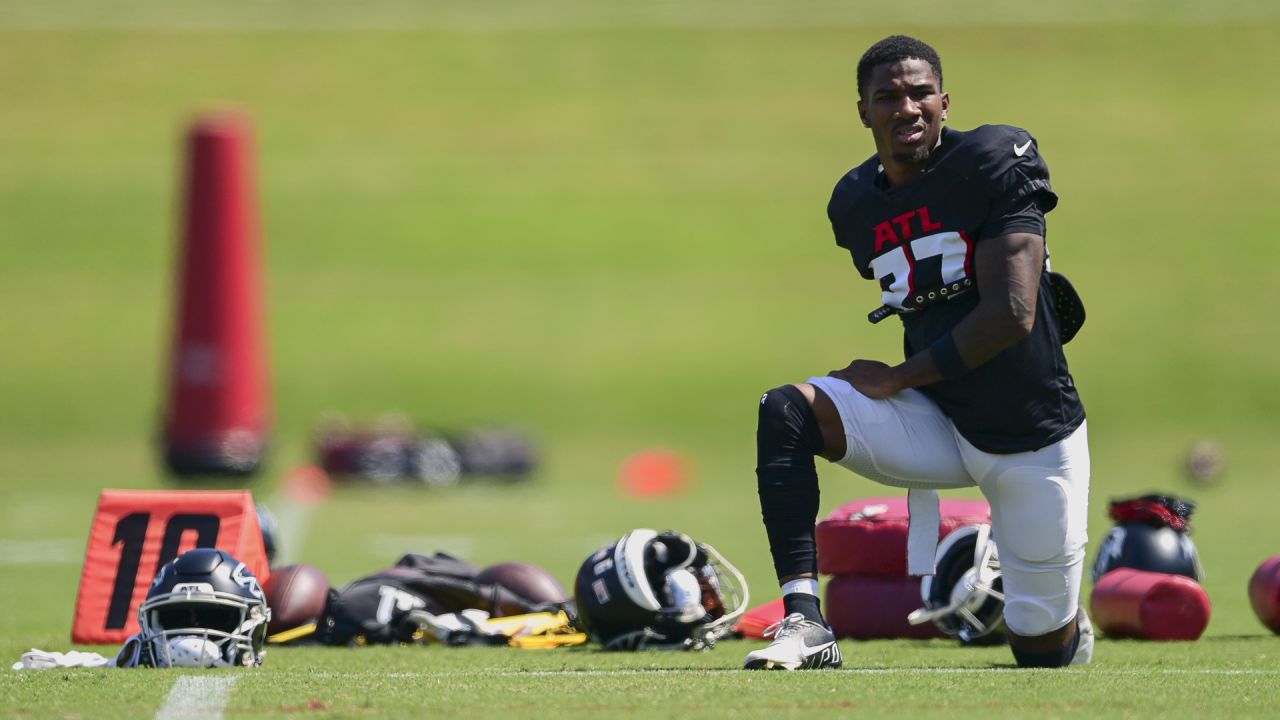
{"points": [[825, 655], [1020, 150], [807, 650]]}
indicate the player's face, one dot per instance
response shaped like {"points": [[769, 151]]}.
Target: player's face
{"points": [[904, 106]]}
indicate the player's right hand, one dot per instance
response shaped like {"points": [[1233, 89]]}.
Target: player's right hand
{"points": [[872, 378]]}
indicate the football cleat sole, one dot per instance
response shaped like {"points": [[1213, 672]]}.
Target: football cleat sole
{"points": [[825, 656]]}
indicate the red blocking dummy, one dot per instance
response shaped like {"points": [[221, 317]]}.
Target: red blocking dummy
{"points": [[1146, 605], [871, 606], [869, 536], [1264, 593], [218, 404]]}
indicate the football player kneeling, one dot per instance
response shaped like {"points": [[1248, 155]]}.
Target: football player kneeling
{"points": [[658, 590]]}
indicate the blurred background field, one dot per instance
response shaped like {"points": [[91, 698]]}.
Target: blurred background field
{"points": [[605, 222]]}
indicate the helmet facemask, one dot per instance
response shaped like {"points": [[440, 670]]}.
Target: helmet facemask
{"points": [[195, 626], [659, 590], [965, 599], [724, 597]]}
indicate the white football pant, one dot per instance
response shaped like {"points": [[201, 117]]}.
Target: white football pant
{"points": [[1039, 500]]}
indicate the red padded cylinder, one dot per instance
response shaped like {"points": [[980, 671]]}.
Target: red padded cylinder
{"points": [[1264, 593], [216, 419], [867, 606], [869, 536], [1151, 606]]}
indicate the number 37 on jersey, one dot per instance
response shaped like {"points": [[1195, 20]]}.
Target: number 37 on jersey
{"points": [[917, 263]]}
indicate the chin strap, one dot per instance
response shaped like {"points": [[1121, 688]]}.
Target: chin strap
{"points": [[130, 655], [922, 532]]}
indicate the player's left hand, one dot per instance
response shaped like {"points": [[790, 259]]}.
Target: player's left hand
{"points": [[871, 378]]}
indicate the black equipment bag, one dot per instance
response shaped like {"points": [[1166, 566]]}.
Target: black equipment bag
{"points": [[380, 608]]}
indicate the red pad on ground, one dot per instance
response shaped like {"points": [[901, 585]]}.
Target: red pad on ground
{"points": [[866, 607], [1264, 593], [869, 536], [1128, 603], [135, 532], [755, 621]]}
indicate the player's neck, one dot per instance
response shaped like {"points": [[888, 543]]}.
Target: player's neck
{"points": [[898, 173]]}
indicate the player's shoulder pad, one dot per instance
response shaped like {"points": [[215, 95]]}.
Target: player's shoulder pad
{"points": [[1008, 157], [999, 148], [851, 187]]}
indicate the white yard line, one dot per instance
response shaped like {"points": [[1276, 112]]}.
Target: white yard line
{"points": [[48, 551], [197, 697]]}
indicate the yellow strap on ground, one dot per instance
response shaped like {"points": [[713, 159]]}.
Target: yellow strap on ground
{"points": [[545, 642], [528, 624], [291, 634]]}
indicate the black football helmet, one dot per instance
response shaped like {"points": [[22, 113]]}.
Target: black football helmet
{"points": [[658, 590], [965, 598], [204, 609], [1142, 546], [1150, 534]]}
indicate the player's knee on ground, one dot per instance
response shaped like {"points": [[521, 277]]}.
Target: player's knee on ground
{"points": [[1047, 658], [1040, 598], [787, 438], [1041, 602], [1033, 615]]}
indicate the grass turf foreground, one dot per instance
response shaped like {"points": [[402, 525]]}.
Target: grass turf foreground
{"points": [[1218, 677]]}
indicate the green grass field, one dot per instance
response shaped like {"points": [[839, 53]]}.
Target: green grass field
{"points": [[605, 223]]}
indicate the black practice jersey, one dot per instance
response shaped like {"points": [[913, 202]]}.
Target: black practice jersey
{"points": [[918, 241]]}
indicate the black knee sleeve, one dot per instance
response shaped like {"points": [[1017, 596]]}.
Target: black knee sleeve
{"points": [[787, 438], [1051, 659]]}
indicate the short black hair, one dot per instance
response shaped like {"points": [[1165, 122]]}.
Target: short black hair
{"points": [[891, 50]]}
